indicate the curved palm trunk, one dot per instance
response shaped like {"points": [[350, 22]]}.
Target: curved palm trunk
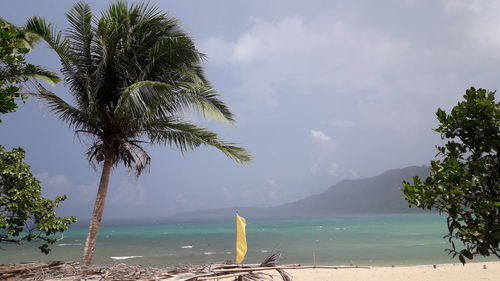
{"points": [[95, 222]]}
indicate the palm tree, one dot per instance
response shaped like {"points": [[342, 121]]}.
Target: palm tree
{"points": [[132, 74]]}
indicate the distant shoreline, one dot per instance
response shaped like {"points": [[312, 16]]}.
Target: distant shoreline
{"points": [[174, 220]]}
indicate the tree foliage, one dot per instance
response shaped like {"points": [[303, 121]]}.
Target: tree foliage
{"points": [[465, 179], [24, 214], [14, 70]]}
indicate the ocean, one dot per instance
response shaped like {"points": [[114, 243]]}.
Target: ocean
{"points": [[408, 239]]}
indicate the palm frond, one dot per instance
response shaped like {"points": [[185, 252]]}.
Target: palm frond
{"points": [[161, 98], [187, 136], [272, 261], [41, 73], [128, 152], [96, 153], [33, 72], [80, 35], [145, 98], [179, 46], [55, 39], [75, 117], [207, 99], [80, 38], [256, 276], [133, 156], [27, 40], [38, 26]]}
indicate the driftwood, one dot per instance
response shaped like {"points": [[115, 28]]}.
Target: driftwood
{"points": [[30, 269], [286, 267], [219, 277]]}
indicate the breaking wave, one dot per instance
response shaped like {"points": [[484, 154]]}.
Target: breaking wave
{"points": [[126, 257]]}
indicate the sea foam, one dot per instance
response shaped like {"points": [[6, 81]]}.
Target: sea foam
{"points": [[126, 257], [69, 244]]}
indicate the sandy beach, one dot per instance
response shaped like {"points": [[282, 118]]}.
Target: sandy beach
{"points": [[455, 272], [73, 271]]}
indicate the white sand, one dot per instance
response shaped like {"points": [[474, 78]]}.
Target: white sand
{"points": [[451, 272]]}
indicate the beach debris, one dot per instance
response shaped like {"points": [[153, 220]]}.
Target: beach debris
{"points": [[256, 272], [434, 266], [74, 271], [484, 266]]}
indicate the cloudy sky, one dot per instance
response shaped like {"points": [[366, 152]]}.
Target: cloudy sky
{"points": [[322, 90]]}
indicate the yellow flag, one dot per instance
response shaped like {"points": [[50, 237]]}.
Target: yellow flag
{"points": [[241, 239]]}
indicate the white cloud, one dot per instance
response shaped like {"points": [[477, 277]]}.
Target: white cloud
{"points": [[334, 168], [325, 149], [320, 136]]}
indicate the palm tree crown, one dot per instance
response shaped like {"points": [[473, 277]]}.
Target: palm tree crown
{"points": [[132, 73]]}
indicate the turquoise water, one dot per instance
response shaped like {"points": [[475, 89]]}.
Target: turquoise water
{"points": [[367, 240]]}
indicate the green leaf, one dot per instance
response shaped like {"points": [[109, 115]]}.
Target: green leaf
{"points": [[462, 259]]}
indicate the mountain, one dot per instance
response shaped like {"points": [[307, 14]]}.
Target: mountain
{"points": [[376, 195]]}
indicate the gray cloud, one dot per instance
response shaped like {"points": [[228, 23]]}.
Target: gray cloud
{"points": [[365, 76], [384, 66]]}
